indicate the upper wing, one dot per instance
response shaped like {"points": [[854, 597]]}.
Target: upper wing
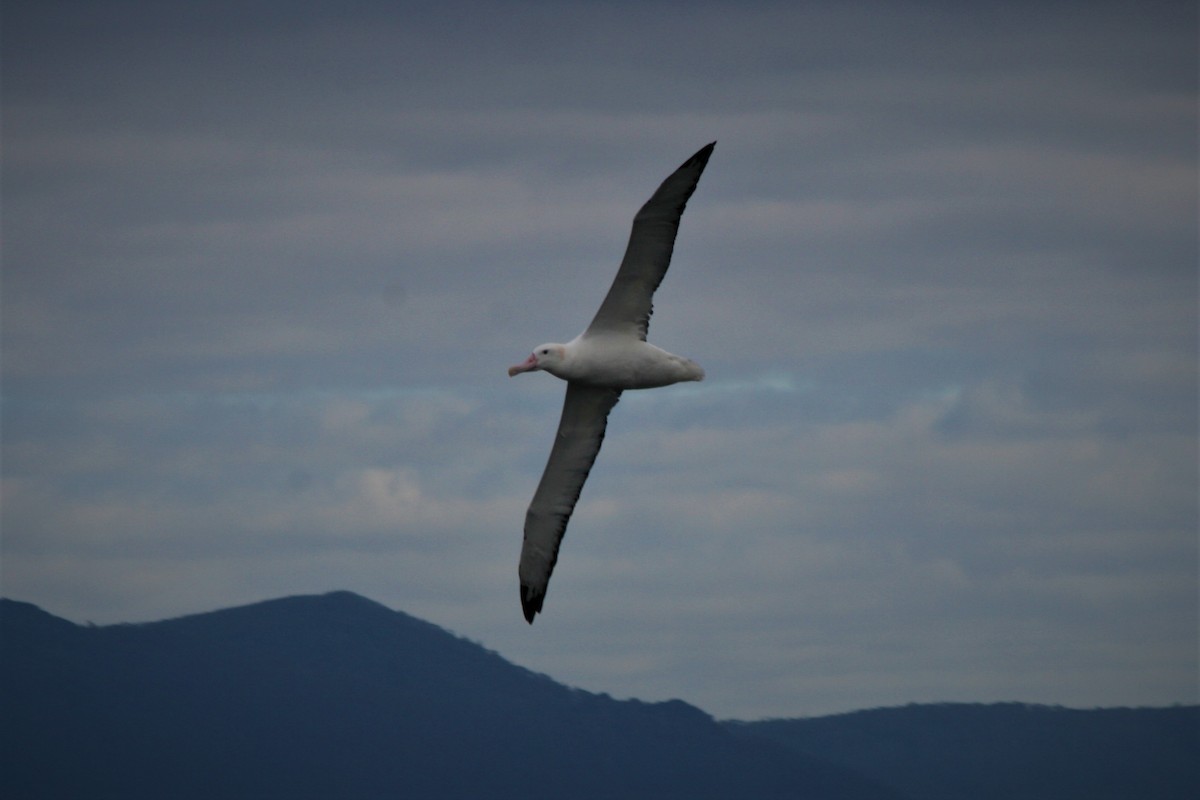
{"points": [[580, 432], [627, 307]]}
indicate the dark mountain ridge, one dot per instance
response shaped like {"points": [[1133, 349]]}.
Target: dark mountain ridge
{"points": [[338, 696], [998, 751]]}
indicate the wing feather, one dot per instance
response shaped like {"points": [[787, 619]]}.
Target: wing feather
{"points": [[628, 304], [580, 433]]}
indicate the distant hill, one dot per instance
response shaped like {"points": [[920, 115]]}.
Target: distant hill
{"points": [[335, 696], [1006, 751]]}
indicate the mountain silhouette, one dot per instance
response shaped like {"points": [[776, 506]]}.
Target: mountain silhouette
{"points": [[335, 696], [1004, 751]]}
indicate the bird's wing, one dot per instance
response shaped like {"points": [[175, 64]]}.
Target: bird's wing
{"points": [[580, 432], [627, 306]]}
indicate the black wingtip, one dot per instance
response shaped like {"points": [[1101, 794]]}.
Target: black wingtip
{"points": [[531, 602], [701, 156]]}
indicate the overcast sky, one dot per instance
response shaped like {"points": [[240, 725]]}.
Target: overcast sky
{"points": [[265, 265]]}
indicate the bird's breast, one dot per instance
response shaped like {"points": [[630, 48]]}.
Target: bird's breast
{"points": [[623, 364]]}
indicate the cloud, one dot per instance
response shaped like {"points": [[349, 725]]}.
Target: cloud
{"points": [[263, 273]]}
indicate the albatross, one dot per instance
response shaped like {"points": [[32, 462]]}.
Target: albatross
{"points": [[610, 356]]}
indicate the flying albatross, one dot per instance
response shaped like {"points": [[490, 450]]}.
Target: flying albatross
{"points": [[610, 356]]}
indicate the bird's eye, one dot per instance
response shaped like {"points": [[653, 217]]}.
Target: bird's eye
{"points": [[546, 351]]}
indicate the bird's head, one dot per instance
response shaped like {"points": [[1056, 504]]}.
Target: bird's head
{"points": [[545, 356]]}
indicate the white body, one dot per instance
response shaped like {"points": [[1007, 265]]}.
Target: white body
{"points": [[621, 362]]}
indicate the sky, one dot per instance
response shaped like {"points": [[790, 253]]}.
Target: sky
{"points": [[265, 265]]}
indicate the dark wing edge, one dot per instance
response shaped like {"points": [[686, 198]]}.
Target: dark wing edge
{"points": [[628, 305], [580, 433]]}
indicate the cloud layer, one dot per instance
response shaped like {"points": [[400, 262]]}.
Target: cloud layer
{"points": [[264, 269]]}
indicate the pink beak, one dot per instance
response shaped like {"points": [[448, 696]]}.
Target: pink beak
{"points": [[527, 365]]}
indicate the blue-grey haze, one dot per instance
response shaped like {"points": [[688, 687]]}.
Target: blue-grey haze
{"points": [[265, 264]]}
